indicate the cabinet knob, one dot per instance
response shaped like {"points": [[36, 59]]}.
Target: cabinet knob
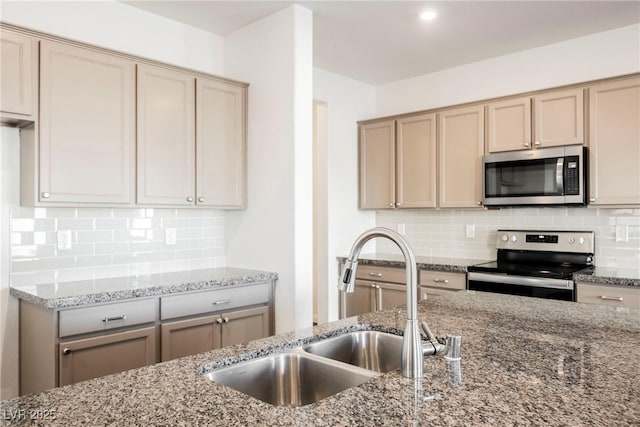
{"points": [[527, 144], [480, 203], [189, 199], [226, 320], [201, 199], [391, 205], [66, 351], [592, 199], [537, 144], [45, 195], [398, 205], [219, 320]]}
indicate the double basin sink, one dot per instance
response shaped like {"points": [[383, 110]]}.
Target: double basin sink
{"points": [[314, 371]]}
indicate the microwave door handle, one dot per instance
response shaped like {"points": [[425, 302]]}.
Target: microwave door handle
{"points": [[560, 175]]}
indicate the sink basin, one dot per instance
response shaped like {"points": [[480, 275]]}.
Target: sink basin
{"points": [[376, 351], [290, 379]]}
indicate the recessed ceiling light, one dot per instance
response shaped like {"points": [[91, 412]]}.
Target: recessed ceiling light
{"points": [[428, 15]]}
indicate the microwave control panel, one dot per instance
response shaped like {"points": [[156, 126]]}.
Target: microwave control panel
{"points": [[572, 175]]}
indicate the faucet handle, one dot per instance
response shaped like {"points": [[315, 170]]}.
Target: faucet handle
{"points": [[427, 331]]}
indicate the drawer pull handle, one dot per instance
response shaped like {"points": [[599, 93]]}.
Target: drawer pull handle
{"points": [[606, 298], [226, 320], [224, 301], [113, 319], [441, 280], [375, 274], [66, 351], [219, 320]]}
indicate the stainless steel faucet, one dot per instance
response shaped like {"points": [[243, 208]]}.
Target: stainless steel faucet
{"points": [[412, 349]]}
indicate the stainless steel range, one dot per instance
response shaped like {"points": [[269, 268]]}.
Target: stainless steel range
{"points": [[535, 263]]}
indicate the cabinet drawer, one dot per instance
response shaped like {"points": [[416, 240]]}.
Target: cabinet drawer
{"points": [[443, 279], [381, 274], [608, 295], [211, 301], [105, 317]]}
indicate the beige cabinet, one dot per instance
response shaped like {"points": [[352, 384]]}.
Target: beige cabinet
{"points": [[376, 288], [558, 119], [440, 282], [18, 76], [398, 163], [85, 150], [614, 143], [460, 151], [615, 296], [220, 144], [94, 357], [192, 336], [166, 137]]}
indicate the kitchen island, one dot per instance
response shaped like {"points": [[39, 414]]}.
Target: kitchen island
{"points": [[525, 361]]}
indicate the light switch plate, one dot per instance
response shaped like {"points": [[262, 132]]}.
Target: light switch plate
{"points": [[622, 233], [470, 231], [401, 229], [170, 236], [64, 239]]}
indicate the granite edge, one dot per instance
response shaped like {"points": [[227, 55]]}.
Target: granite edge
{"points": [[606, 280], [419, 265], [152, 291]]}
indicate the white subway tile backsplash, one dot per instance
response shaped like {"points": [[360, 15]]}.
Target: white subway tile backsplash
{"points": [[112, 242], [441, 233]]}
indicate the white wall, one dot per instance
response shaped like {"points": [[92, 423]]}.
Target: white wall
{"points": [[601, 55], [348, 101], [9, 198], [275, 231], [118, 26]]}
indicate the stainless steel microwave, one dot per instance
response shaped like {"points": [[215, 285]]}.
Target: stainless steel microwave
{"points": [[545, 176]]}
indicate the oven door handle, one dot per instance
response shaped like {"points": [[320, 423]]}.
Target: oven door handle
{"points": [[520, 280]]}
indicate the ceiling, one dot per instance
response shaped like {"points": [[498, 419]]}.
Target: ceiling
{"points": [[382, 41]]}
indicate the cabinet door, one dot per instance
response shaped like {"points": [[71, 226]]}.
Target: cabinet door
{"points": [[362, 300], [245, 325], [166, 122], [460, 148], [416, 162], [509, 125], [614, 143], [377, 165], [17, 73], [95, 357], [87, 121], [390, 296], [559, 118], [615, 296], [186, 337], [220, 144]]}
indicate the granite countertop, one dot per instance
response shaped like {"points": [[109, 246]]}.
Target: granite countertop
{"points": [[607, 275], [69, 294], [524, 362], [455, 265]]}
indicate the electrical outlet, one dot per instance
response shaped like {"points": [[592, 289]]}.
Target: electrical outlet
{"points": [[170, 236], [622, 233], [64, 239], [470, 231], [401, 229]]}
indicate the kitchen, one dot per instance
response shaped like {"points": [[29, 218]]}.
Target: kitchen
{"points": [[240, 238]]}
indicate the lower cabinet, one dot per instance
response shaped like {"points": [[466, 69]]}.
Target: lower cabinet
{"points": [[191, 336], [440, 283], [88, 358], [615, 296], [373, 296]]}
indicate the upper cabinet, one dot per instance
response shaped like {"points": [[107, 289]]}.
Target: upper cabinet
{"points": [[18, 77], [86, 137], [460, 151], [398, 163], [558, 119], [220, 144], [166, 137], [614, 143]]}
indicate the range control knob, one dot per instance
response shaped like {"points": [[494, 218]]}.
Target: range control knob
{"points": [[514, 238], [572, 240], [505, 238]]}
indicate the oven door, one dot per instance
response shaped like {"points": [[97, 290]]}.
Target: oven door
{"points": [[522, 285]]}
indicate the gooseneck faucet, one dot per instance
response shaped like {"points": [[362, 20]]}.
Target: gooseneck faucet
{"points": [[412, 349]]}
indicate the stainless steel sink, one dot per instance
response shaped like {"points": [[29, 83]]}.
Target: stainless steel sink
{"points": [[290, 379], [376, 351]]}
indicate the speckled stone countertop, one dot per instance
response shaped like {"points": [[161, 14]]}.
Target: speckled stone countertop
{"points": [[69, 294], [454, 265], [525, 362], [606, 275], [611, 276]]}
